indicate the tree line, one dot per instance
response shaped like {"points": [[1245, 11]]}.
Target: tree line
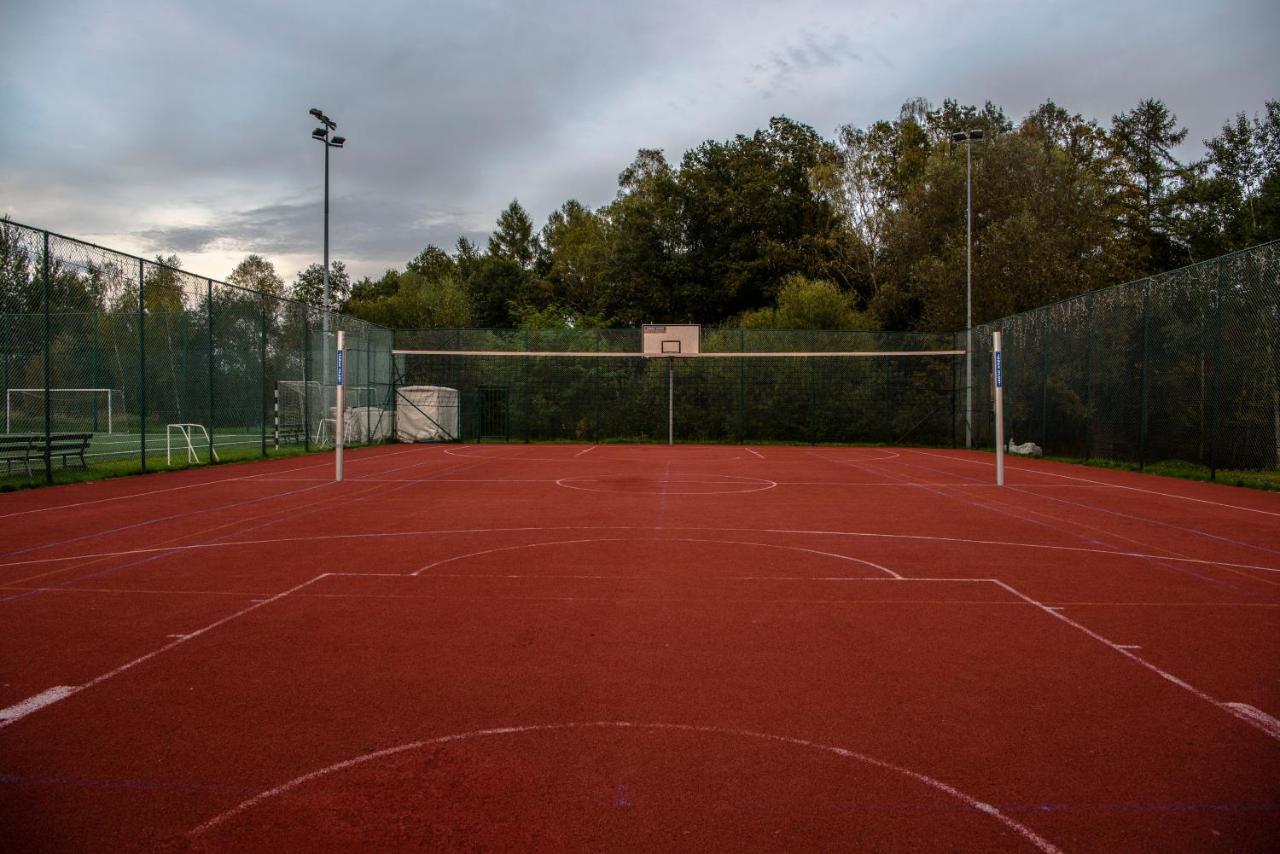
{"points": [[784, 228]]}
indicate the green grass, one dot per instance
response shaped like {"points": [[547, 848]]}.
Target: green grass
{"points": [[1266, 480], [127, 466]]}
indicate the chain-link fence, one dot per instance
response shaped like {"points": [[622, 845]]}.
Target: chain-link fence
{"points": [[800, 397], [113, 361], [1181, 366]]}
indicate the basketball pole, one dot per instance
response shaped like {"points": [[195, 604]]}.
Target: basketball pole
{"points": [[671, 402]]}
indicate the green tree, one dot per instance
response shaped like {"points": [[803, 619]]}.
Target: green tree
{"points": [[309, 286], [1145, 138], [647, 252], [513, 238], [420, 302], [809, 304], [575, 259], [752, 216], [256, 273]]}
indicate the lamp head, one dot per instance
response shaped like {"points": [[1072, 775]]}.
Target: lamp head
{"points": [[338, 141], [315, 111], [319, 133]]}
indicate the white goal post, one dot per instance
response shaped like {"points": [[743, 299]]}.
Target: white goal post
{"points": [[71, 408]]}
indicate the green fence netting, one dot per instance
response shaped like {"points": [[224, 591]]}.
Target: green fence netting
{"points": [[1181, 366], [156, 366], [805, 397]]}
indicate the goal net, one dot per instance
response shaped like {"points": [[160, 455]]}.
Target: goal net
{"points": [[80, 410], [308, 409]]}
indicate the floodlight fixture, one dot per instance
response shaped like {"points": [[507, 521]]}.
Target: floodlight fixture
{"points": [[959, 137], [338, 141], [319, 133], [316, 111]]}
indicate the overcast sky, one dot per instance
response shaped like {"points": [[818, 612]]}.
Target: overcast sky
{"points": [[182, 127]]}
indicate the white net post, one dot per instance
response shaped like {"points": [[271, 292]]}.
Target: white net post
{"points": [[339, 416], [998, 370]]}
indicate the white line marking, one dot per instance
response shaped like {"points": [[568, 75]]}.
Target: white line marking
{"points": [[68, 691], [31, 704], [587, 451], [883, 569], [799, 531], [1037, 470], [1012, 824], [1255, 716], [571, 483], [754, 451], [1127, 646], [1164, 674], [72, 506]]}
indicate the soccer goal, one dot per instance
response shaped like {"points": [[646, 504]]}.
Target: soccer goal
{"points": [[309, 407], [96, 410]]}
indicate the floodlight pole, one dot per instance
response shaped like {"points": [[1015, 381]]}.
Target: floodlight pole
{"points": [[968, 138], [321, 134]]}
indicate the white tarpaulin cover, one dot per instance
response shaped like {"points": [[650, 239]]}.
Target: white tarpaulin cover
{"points": [[426, 413]]}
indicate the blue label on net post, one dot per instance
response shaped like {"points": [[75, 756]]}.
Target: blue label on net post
{"points": [[339, 367], [999, 379]]}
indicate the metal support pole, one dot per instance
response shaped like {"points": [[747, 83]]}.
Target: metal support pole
{"points": [[262, 391], [1215, 423], [306, 377], [968, 295], [48, 404], [212, 397], [325, 303], [671, 401], [142, 359], [1142, 423], [339, 414], [998, 372], [1088, 376]]}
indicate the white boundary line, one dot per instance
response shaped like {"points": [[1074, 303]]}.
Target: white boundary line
{"points": [[1037, 470], [981, 806], [567, 483], [443, 561], [77, 504], [534, 529]]}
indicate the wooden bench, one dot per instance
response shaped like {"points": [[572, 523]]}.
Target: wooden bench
{"points": [[66, 445], [28, 449], [19, 449]]}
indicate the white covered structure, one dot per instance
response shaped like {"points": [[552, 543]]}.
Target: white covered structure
{"points": [[426, 413]]}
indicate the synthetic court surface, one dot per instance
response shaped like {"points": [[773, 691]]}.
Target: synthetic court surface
{"points": [[510, 647]]}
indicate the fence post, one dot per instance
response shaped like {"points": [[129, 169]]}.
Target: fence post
{"points": [[48, 405], [526, 388], [306, 375], [93, 368], [1214, 422], [209, 336], [1142, 423], [1088, 375], [595, 377], [742, 386], [1044, 384], [262, 351], [142, 359]]}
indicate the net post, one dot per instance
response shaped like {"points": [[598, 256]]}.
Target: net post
{"points": [[306, 377], [998, 369], [338, 415]]}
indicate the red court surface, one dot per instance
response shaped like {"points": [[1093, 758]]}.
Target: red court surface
{"points": [[620, 648]]}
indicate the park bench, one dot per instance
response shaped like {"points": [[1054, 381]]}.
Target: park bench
{"points": [[26, 449], [19, 449]]}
